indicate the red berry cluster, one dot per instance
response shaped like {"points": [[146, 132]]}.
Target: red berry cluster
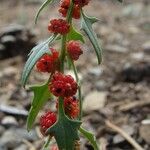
{"points": [[65, 4], [64, 7], [71, 106], [74, 50], [46, 121], [58, 26], [63, 85], [81, 3], [48, 63]]}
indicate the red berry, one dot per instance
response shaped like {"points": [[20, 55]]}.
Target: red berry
{"points": [[63, 85], [46, 121], [74, 49], [81, 2], [64, 6], [59, 26], [48, 63], [63, 11], [76, 12], [71, 106]]}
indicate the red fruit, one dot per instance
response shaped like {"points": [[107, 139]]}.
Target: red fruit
{"points": [[74, 49], [46, 121], [81, 2], [71, 106], [63, 11], [63, 85], [64, 6], [48, 63], [59, 26], [76, 12]]}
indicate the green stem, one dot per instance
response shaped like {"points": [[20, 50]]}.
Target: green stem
{"points": [[70, 11], [80, 102], [47, 143], [69, 19], [60, 107], [63, 54], [64, 38], [63, 51], [79, 87]]}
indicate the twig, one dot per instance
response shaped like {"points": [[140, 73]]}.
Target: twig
{"points": [[124, 134], [103, 144], [30, 145], [135, 104]]}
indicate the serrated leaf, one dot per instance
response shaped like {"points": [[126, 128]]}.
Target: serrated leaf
{"points": [[41, 8], [36, 53], [75, 35], [65, 132], [90, 137], [86, 25], [41, 95]]}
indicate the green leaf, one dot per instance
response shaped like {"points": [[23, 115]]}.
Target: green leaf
{"points": [[36, 53], [86, 25], [41, 96], [65, 130], [41, 8], [75, 35], [90, 137]]}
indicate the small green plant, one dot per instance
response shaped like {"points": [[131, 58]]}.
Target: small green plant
{"points": [[64, 124]]}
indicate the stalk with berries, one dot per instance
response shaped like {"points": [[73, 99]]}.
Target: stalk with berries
{"points": [[65, 124]]}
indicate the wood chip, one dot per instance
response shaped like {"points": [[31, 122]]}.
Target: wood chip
{"points": [[124, 134], [135, 104]]}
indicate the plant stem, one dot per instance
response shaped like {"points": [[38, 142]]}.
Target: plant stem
{"points": [[64, 38], [69, 14], [62, 60], [63, 54], [63, 51], [60, 106], [80, 102], [79, 87], [46, 143]]}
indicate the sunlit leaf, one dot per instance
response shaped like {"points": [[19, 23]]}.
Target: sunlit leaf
{"points": [[75, 35]]}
